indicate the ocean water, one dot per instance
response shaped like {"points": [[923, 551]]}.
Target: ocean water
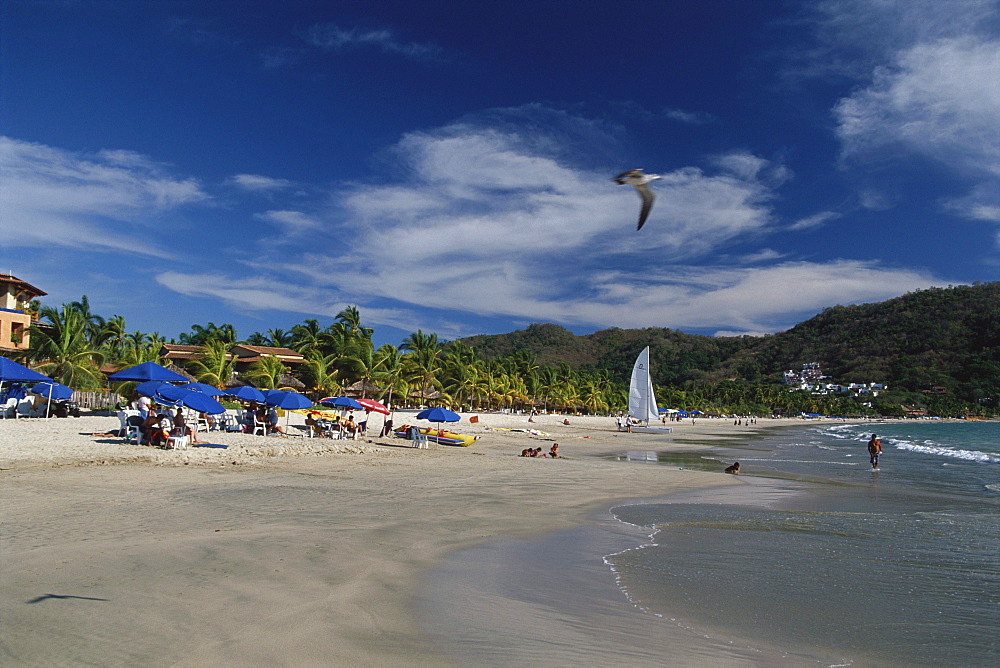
{"points": [[899, 566]]}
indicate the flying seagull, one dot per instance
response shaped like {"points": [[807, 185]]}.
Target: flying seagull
{"points": [[635, 177]]}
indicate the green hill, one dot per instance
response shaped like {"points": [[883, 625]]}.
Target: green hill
{"points": [[941, 337]]}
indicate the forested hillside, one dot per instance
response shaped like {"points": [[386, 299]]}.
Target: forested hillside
{"points": [[941, 337]]}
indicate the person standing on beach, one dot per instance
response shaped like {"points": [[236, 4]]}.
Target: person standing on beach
{"points": [[874, 449]]}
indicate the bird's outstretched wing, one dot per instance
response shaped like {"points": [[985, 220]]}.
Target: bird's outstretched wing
{"points": [[621, 179], [647, 203]]}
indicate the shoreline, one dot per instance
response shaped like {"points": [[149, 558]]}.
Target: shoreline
{"points": [[281, 550]]}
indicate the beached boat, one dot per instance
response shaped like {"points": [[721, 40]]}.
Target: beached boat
{"points": [[641, 400], [442, 436]]}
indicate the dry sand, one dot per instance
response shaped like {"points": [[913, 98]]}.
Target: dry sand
{"points": [[284, 551]]}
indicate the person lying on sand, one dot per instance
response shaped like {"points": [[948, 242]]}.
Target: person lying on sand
{"points": [[565, 420], [734, 469], [526, 452]]}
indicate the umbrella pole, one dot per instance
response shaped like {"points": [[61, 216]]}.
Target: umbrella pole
{"points": [[48, 403]]}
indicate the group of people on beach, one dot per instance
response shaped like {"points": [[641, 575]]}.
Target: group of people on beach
{"points": [[153, 431], [335, 424], [537, 452]]}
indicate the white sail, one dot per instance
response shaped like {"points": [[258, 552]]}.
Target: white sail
{"points": [[641, 401]]}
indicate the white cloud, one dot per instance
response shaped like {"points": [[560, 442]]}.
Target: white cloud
{"points": [[293, 221], [932, 72], [852, 37], [491, 223], [259, 183], [267, 294], [110, 200], [813, 221], [334, 37], [940, 99], [691, 117]]}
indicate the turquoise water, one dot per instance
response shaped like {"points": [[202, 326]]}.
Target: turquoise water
{"points": [[899, 566]]}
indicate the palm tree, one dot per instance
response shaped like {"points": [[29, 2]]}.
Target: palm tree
{"points": [[93, 322], [307, 336], [256, 339], [63, 349], [422, 359], [360, 365], [390, 372], [112, 335], [215, 366], [266, 372], [279, 338], [351, 318], [200, 335], [319, 372]]}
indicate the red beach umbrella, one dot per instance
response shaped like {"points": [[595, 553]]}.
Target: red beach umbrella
{"points": [[372, 405]]}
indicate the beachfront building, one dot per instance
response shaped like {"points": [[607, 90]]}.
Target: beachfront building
{"points": [[811, 380], [15, 313], [247, 355]]}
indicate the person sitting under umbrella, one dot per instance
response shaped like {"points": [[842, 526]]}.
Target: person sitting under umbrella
{"points": [[181, 428], [151, 430], [272, 421]]}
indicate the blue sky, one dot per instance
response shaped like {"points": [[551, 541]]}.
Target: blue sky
{"points": [[446, 165]]}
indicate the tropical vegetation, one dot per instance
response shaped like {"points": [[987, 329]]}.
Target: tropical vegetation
{"points": [[937, 350]]}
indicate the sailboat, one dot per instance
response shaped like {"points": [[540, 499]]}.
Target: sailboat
{"points": [[641, 400]]}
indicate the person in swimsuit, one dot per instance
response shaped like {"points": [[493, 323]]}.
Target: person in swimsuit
{"points": [[874, 449]]}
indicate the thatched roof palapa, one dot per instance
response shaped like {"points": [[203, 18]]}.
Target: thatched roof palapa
{"points": [[362, 388]]}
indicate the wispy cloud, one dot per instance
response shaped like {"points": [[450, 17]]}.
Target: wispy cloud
{"points": [[292, 221], [333, 37], [269, 294], [258, 182], [930, 71], [487, 221], [813, 221], [108, 200]]}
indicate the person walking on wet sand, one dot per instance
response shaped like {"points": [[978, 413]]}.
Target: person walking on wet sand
{"points": [[874, 449]]}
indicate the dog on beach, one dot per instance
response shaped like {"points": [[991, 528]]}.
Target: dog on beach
{"points": [[734, 469]]}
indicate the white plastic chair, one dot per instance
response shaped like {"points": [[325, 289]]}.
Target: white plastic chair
{"points": [[419, 439], [9, 409], [259, 425], [132, 432], [178, 442]]}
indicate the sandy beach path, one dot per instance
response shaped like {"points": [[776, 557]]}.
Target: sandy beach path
{"points": [[309, 558]]}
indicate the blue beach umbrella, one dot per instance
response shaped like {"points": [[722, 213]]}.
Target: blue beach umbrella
{"points": [[147, 371], [169, 394], [288, 400], [149, 387], [52, 390], [246, 393], [11, 371], [196, 401], [202, 403], [438, 414], [341, 402], [203, 388]]}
